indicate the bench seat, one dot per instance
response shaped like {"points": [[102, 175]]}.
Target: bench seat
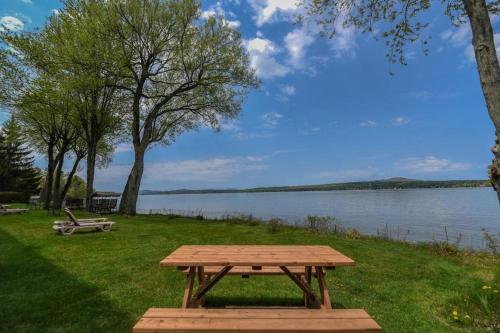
{"points": [[247, 270], [170, 320]]}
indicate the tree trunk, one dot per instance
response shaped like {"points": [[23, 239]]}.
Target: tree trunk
{"points": [[70, 178], [91, 159], [128, 201], [46, 195], [57, 182], [489, 74]]}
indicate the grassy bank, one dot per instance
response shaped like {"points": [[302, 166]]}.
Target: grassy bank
{"points": [[102, 282]]}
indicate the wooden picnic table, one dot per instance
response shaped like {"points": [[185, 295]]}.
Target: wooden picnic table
{"points": [[286, 259]]}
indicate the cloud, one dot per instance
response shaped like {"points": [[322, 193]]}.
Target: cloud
{"points": [[310, 130], [27, 1], [270, 10], [55, 11], [368, 123], [285, 92], [296, 43], [262, 59], [343, 44], [212, 170], [11, 23], [399, 121], [271, 119], [217, 10], [430, 164]]}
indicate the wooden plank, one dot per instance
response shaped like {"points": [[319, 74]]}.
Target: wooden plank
{"points": [[323, 288], [254, 313], [304, 286], [186, 300], [247, 270], [256, 321]]}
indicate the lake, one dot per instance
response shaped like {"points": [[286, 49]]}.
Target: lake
{"points": [[411, 214]]}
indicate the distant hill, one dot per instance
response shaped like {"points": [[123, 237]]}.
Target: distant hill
{"points": [[383, 184]]}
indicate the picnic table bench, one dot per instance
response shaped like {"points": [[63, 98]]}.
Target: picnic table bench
{"points": [[209, 264]]}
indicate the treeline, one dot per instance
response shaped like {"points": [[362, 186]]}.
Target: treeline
{"points": [[368, 185], [102, 72]]}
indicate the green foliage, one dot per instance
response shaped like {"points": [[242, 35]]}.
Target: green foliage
{"points": [[78, 188], [17, 172], [13, 197], [477, 309], [319, 223], [275, 225]]}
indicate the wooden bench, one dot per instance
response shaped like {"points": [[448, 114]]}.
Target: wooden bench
{"points": [[163, 320]]}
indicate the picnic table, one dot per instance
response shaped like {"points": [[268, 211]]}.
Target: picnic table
{"points": [[210, 263]]}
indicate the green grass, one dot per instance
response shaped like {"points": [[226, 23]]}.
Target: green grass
{"points": [[103, 282]]}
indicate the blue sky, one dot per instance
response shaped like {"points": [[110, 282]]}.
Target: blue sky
{"points": [[327, 111]]}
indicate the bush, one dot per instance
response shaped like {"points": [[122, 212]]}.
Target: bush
{"points": [[10, 197], [275, 225], [319, 223]]}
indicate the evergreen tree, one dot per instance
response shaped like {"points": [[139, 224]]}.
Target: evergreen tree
{"points": [[17, 172]]}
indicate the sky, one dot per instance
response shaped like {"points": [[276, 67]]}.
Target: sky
{"points": [[328, 110]]}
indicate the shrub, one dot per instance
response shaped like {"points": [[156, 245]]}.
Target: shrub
{"points": [[319, 223], [275, 225], [10, 197], [353, 234]]}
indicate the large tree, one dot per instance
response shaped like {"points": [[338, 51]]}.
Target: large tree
{"points": [[177, 71], [402, 24]]}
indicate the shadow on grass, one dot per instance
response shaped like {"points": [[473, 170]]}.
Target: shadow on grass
{"points": [[37, 296]]}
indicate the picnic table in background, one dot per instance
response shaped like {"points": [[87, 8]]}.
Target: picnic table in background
{"points": [[210, 263]]}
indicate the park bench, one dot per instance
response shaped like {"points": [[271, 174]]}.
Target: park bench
{"points": [[169, 320]]}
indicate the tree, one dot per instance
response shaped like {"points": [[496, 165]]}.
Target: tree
{"points": [[17, 171], [176, 71], [78, 53], [406, 26]]}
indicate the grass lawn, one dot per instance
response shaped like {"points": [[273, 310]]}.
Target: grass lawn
{"points": [[103, 282]]}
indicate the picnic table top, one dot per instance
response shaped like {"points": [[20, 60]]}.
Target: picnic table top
{"points": [[256, 255]]}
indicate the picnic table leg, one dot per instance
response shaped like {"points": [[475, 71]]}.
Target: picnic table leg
{"points": [[323, 288], [308, 271], [302, 283], [186, 300], [201, 281], [208, 284]]}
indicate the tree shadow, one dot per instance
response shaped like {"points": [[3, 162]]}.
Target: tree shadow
{"points": [[38, 296]]}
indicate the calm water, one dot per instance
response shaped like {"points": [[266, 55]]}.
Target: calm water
{"points": [[416, 214]]}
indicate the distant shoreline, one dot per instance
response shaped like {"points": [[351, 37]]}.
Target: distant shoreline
{"points": [[386, 184]]}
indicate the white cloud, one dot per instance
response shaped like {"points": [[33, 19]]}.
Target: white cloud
{"points": [[269, 10], [399, 121], [368, 123], [262, 59], [55, 11], [27, 1], [296, 43], [429, 164], [285, 92], [11, 23], [271, 119], [213, 170], [217, 10], [343, 42], [310, 130]]}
